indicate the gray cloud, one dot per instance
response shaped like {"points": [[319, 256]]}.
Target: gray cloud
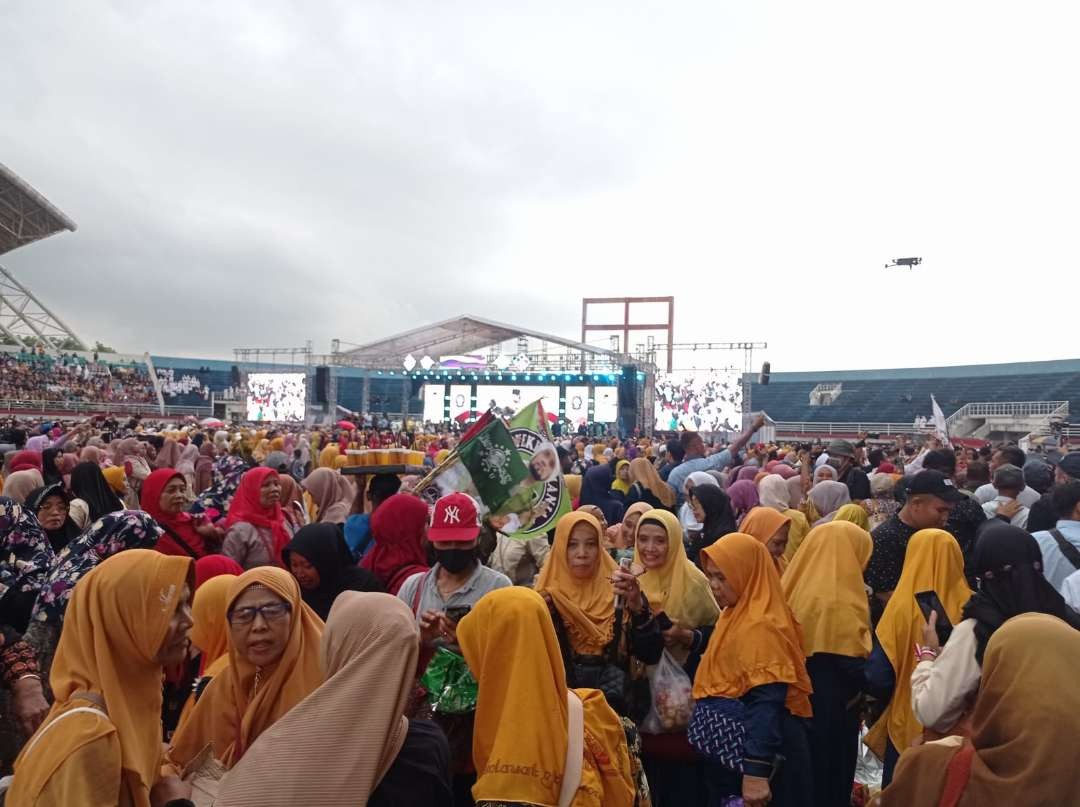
{"points": [[283, 177]]}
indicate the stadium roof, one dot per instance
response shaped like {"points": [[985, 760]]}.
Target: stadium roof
{"points": [[25, 215], [457, 336]]}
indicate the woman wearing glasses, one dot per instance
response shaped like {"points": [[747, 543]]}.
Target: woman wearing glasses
{"points": [[273, 665]]}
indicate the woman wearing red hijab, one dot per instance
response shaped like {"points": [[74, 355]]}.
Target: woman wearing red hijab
{"points": [[212, 566], [255, 530], [25, 461], [398, 528], [164, 497]]}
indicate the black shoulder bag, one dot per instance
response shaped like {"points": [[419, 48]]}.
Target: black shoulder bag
{"points": [[1067, 549], [601, 672]]}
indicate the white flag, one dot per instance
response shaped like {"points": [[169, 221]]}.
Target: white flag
{"points": [[941, 429]]}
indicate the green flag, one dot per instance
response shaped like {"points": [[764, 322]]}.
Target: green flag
{"points": [[494, 464], [548, 499]]}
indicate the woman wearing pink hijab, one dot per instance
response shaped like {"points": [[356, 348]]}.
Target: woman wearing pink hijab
{"points": [[744, 497]]}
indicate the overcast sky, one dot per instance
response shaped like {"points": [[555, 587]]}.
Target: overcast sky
{"points": [[264, 173]]}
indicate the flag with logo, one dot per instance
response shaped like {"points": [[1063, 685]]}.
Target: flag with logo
{"points": [[547, 499], [493, 462]]}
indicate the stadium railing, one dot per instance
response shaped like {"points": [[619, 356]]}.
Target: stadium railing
{"points": [[794, 428], [24, 407]]}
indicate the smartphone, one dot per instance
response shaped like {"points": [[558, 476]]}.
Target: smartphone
{"points": [[928, 601], [458, 612]]}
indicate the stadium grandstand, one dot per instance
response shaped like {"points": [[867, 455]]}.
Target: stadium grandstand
{"points": [[986, 402]]}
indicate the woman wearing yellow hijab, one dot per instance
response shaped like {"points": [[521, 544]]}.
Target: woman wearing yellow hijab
{"points": [[273, 665], [824, 587], [855, 513], [328, 456], [755, 656], [101, 742], [671, 583], [509, 643], [622, 481], [261, 450], [684, 609], [576, 580], [933, 562]]}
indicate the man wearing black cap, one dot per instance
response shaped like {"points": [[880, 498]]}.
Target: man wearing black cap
{"points": [[930, 497], [966, 516], [842, 459]]}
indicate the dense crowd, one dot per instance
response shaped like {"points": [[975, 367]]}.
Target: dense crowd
{"points": [[35, 376], [697, 402], [242, 617]]}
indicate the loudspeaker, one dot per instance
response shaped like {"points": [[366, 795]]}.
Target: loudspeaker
{"points": [[234, 376], [763, 379], [628, 399], [322, 384]]}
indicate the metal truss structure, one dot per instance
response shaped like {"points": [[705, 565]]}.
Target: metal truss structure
{"points": [[27, 216]]}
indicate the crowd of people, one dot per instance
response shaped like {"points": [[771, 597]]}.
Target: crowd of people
{"points": [[232, 617], [697, 402], [34, 376]]}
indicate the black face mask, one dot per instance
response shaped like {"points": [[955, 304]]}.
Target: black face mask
{"points": [[456, 560]]}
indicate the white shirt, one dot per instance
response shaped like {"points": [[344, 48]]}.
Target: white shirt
{"points": [[1019, 520], [987, 493], [1056, 567], [1070, 590], [942, 690]]}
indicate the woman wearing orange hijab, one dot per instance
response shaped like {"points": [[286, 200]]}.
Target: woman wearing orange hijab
{"points": [[273, 665], [101, 742], [509, 643], [754, 675], [771, 528], [824, 587]]}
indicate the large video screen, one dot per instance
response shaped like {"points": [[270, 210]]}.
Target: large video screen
{"points": [[606, 404], [508, 399], [577, 406], [460, 400], [706, 401], [276, 397], [434, 403]]}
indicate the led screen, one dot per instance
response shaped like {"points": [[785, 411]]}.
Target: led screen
{"points": [[276, 397]]}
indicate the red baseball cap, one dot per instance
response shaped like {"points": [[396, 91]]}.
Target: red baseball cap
{"points": [[454, 519]]}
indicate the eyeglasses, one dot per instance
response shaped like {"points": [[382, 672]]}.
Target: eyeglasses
{"points": [[270, 612]]}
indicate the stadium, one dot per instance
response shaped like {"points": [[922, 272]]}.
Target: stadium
{"points": [[452, 370]]}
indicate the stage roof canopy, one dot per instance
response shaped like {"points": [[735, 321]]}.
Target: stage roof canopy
{"points": [[458, 336], [25, 215]]}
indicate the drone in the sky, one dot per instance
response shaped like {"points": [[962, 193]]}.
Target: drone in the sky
{"points": [[908, 262]]}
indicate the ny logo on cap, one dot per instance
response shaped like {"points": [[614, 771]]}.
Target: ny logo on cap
{"points": [[453, 515]]}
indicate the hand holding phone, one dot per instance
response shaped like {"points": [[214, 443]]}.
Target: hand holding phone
{"points": [[930, 604]]}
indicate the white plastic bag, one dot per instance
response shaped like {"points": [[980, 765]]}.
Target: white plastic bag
{"points": [[672, 703], [868, 768]]}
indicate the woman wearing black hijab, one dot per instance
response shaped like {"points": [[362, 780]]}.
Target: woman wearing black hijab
{"points": [[596, 490], [94, 497], [714, 512], [50, 505], [50, 466], [320, 561], [1008, 567]]}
